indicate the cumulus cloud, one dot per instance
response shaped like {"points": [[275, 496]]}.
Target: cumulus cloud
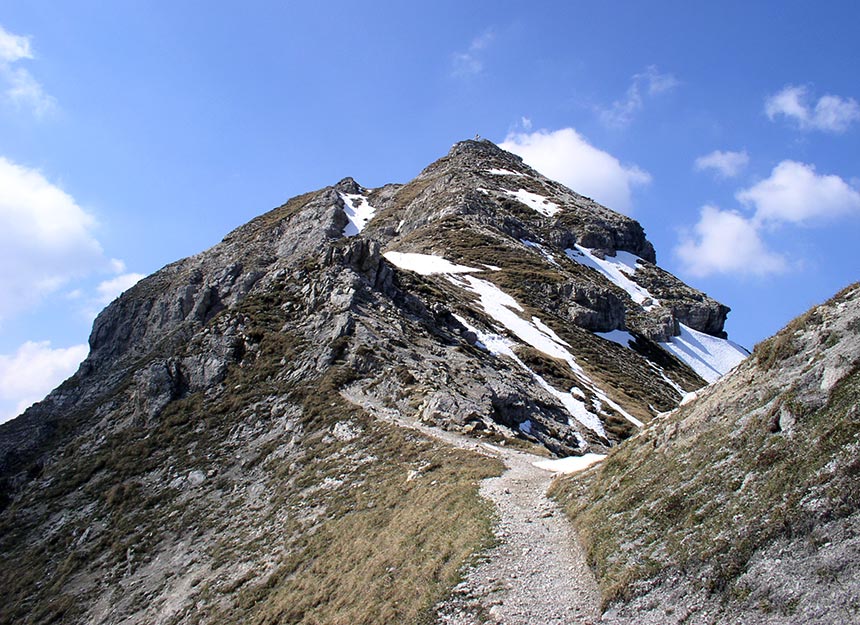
{"points": [[46, 239], [645, 84], [32, 372], [726, 242], [470, 62], [109, 290], [795, 193], [830, 114], [20, 88], [723, 164], [91, 304], [566, 156]]}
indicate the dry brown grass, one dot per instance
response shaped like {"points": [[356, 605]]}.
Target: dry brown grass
{"points": [[657, 504], [394, 551]]}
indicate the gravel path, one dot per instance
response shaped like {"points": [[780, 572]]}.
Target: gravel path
{"points": [[537, 573]]}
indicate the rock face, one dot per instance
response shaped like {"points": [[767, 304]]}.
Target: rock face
{"points": [[470, 298], [744, 504]]}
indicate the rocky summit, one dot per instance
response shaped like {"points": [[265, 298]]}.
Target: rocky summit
{"points": [[298, 424]]}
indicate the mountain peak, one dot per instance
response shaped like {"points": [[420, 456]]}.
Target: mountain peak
{"points": [[480, 146], [481, 298], [480, 156]]}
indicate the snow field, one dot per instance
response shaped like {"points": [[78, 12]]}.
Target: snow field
{"points": [[571, 464], [617, 270], [425, 264], [536, 202], [707, 355], [503, 309], [358, 210]]}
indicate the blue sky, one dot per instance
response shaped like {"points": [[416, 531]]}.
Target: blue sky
{"points": [[133, 134]]}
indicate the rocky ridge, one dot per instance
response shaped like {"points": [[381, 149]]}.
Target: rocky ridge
{"points": [[239, 384]]}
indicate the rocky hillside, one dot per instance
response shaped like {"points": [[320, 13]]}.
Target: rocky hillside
{"points": [[233, 448], [743, 505]]}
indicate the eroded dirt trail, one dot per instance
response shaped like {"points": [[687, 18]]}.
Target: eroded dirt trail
{"points": [[537, 573]]}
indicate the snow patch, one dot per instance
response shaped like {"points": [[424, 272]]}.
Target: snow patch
{"points": [[605, 399], [617, 270], [498, 345], [571, 464], [358, 210], [707, 355], [503, 308], [526, 427], [536, 202], [504, 172], [547, 330], [689, 398], [681, 392], [541, 249], [500, 306], [425, 264]]}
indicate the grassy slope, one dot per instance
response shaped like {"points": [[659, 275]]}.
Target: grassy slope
{"points": [[373, 548], [705, 488]]}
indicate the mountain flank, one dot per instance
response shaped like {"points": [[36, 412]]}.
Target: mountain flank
{"points": [[742, 505], [241, 443]]}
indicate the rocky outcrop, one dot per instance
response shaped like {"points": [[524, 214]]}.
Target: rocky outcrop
{"points": [[688, 306]]}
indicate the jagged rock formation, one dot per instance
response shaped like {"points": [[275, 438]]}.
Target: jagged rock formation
{"points": [[194, 467], [744, 504]]}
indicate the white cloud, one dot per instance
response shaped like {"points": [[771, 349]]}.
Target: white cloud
{"points": [[830, 114], [46, 239], [650, 82], [566, 156], [470, 62], [24, 91], [109, 290], [19, 86], [116, 265], [724, 164], [730, 243], [32, 372], [726, 242], [794, 193], [13, 47]]}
